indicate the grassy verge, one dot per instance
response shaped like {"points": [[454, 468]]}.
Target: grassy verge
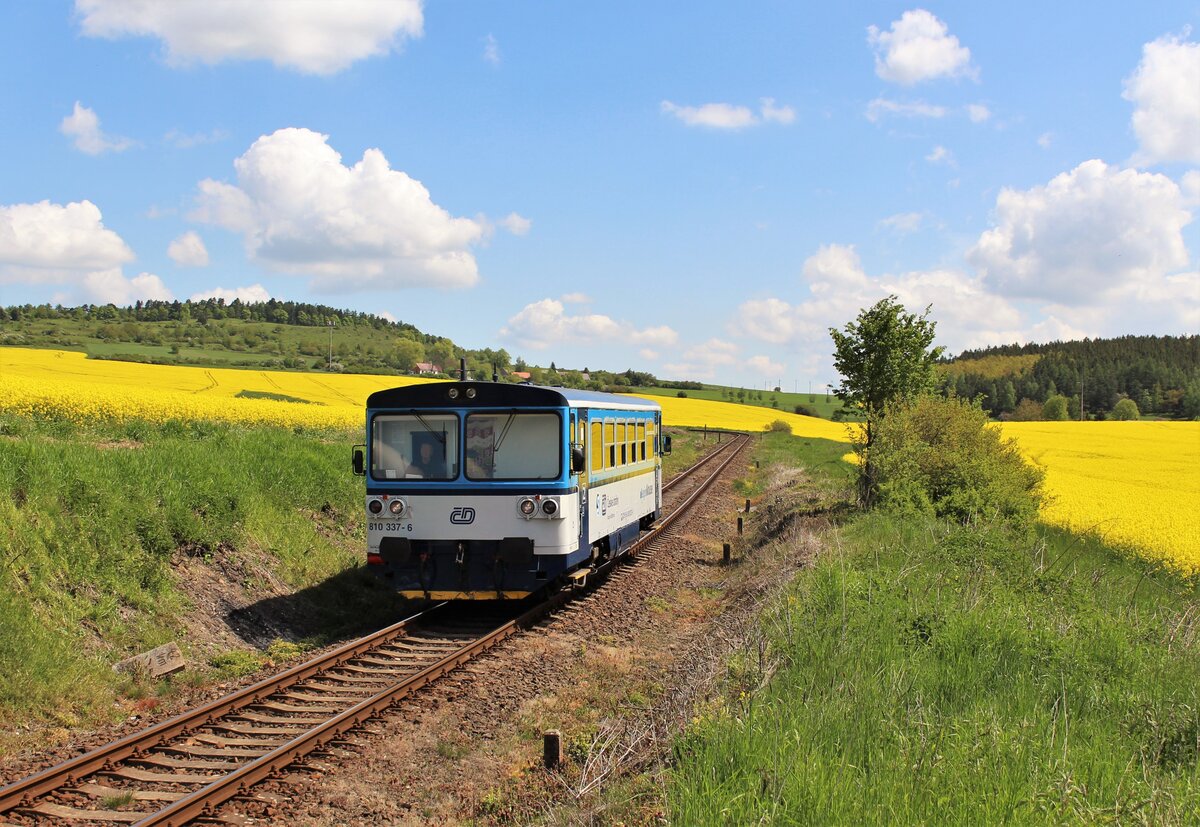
{"points": [[96, 527], [923, 672]]}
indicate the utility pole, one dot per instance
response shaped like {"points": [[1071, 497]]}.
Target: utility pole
{"points": [[330, 345]]}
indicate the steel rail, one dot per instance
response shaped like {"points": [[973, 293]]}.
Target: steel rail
{"points": [[700, 463], [20, 792], [203, 800]]}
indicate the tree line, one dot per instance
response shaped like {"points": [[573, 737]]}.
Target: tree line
{"points": [[1160, 375]]}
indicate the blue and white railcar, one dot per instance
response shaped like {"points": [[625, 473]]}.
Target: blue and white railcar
{"points": [[484, 490]]}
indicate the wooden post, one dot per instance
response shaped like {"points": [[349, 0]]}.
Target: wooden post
{"points": [[747, 506], [725, 551], [552, 750], [739, 526]]}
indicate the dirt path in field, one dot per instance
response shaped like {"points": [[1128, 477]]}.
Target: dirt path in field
{"points": [[618, 673]]}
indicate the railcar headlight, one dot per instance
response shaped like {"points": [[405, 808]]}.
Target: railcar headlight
{"points": [[453, 393], [527, 507], [396, 507], [374, 506], [549, 508], [470, 393]]}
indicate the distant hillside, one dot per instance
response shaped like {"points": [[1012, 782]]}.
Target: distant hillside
{"points": [[277, 335], [1159, 373]]}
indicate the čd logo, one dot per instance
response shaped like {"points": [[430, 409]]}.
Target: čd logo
{"points": [[462, 516]]}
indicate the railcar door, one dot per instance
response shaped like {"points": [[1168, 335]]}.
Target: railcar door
{"points": [[579, 437]]}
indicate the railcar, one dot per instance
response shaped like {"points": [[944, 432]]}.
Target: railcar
{"points": [[487, 490]]}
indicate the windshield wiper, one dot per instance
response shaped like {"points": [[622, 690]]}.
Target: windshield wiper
{"points": [[439, 436], [503, 433]]}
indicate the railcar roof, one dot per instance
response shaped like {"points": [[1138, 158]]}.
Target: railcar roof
{"points": [[503, 395]]}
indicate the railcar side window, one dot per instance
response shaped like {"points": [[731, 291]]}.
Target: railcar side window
{"points": [[621, 440], [642, 439], [514, 446], [411, 446], [597, 447], [610, 431]]}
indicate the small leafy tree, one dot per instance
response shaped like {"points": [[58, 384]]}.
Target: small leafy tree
{"points": [[1126, 409], [884, 357], [1055, 409]]}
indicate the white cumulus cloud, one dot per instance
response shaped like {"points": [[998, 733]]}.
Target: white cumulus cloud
{"points": [[83, 127], [882, 107], [111, 287], [543, 323], [918, 47], [702, 361], [253, 293], [516, 224], [940, 155], [46, 242], [729, 116], [185, 140], [904, 223], [978, 113], [68, 244], [764, 366], [311, 37], [188, 250], [1165, 92], [300, 210], [1085, 234]]}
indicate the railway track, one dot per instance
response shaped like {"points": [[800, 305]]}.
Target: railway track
{"points": [[182, 769]]}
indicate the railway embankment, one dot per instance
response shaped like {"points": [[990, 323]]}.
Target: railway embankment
{"points": [[930, 670]]}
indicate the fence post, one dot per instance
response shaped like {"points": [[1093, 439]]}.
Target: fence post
{"points": [[739, 526], [552, 751], [725, 552]]}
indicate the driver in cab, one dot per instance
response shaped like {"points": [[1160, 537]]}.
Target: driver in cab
{"points": [[427, 464]]}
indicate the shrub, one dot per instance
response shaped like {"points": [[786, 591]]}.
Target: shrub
{"points": [[940, 456], [1125, 409], [1027, 411], [681, 395], [806, 410], [779, 426], [1055, 408]]}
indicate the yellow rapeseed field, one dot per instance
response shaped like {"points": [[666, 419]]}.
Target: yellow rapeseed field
{"points": [[697, 413], [1137, 484], [55, 383]]}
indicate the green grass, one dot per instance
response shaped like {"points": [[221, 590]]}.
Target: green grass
{"points": [[94, 523], [932, 673]]}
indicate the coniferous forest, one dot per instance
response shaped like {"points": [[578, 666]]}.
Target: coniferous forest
{"points": [[1160, 374]]}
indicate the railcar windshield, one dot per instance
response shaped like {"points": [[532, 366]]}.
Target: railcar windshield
{"points": [[514, 446], [414, 446]]}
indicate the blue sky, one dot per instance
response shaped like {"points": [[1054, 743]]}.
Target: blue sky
{"points": [[696, 189]]}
